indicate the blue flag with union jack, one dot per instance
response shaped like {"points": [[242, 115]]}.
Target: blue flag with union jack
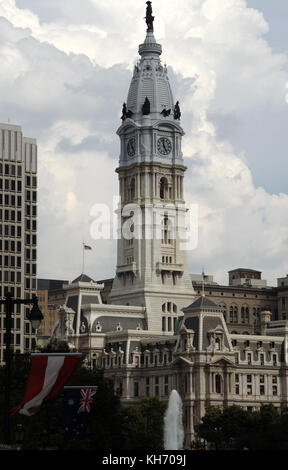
{"points": [[77, 405]]}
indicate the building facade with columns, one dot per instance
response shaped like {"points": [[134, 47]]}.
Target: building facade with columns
{"points": [[155, 327]]}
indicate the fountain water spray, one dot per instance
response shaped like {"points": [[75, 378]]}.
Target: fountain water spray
{"points": [[173, 426]]}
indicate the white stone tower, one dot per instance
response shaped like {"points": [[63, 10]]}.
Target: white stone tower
{"points": [[151, 266]]}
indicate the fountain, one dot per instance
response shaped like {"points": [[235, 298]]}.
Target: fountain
{"points": [[173, 426]]}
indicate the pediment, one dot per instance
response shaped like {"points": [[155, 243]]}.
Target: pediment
{"points": [[128, 126], [181, 359], [222, 360], [168, 126]]}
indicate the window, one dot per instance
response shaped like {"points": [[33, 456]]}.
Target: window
{"points": [[132, 190], [244, 314], [136, 389], [237, 385], [262, 385], [218, 383], [233, 314], [166, 237], [274, 385], [249, 384], [163, 188], [166, 386]]}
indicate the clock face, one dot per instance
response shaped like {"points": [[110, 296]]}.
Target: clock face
{"points": [[164, 146], [131, 147]]}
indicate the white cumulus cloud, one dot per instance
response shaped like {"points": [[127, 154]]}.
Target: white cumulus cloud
{"points": [[66, 68]]}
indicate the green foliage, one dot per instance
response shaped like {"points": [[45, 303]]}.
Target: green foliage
{"points": [[143, 425], [239, 429], [110, 426]]}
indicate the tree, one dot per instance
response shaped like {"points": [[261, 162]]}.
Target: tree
{"points": [[104, 422], [111, 426], [143, 425], [236, 428]]}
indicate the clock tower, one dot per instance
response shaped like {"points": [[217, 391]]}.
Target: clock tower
{"points": [[151, 265]]}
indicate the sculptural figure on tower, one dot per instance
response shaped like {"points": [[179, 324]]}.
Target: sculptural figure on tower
{"points": [[149, 18], [146, 107]]}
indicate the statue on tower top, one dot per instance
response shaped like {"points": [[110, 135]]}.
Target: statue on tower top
{"points": [[149, 17]]}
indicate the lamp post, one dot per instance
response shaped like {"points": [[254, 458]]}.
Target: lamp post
{"points": [[19, 434], [35, 316]]}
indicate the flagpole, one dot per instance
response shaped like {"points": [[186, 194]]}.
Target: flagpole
{"points": [[83, 258]]}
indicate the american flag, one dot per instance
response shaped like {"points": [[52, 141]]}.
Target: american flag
{"points": [[86, 399]]}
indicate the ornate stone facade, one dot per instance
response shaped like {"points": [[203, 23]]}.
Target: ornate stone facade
{"points": [[155, 327]]}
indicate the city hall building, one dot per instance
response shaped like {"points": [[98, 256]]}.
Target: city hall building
{"points": [[155, 327]]}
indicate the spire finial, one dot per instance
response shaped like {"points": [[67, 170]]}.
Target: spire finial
{"points": [[203, 290], [149, 17]]}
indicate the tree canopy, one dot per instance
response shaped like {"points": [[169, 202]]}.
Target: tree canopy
{"points": [[238, 429], [111, 426]]}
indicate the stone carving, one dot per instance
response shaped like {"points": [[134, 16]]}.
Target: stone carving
{"points": [[177, 112], [146, 107], [149, 17], [98, 327], [82, 327], [126, 113], [66, 316], [166, 112]]}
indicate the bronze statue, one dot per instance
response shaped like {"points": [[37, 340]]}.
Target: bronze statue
{"points": [[149, 18], [126, 113], [166, 112], [146, 107], [177, 112]]}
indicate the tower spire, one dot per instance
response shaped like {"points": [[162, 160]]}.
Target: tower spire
{"points": [[149, 17]]}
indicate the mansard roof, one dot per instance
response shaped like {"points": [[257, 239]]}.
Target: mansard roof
{"points": [[202, 302], [83, 278]]}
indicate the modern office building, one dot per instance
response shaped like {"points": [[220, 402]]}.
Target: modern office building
{"points": [[18, 230]]}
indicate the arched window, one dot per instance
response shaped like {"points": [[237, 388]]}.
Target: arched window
{"points": [[256, 315], [233, 311], [163, 188], [244, 314]]}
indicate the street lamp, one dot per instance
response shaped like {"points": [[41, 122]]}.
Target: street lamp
{"points": [[35, 316], [19, 434]]}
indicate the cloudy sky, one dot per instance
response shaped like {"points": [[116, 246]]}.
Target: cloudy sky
{"points": [[65, 72]]}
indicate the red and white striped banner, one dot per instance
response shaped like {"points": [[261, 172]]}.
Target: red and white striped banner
{"points": [[48, 374]]}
